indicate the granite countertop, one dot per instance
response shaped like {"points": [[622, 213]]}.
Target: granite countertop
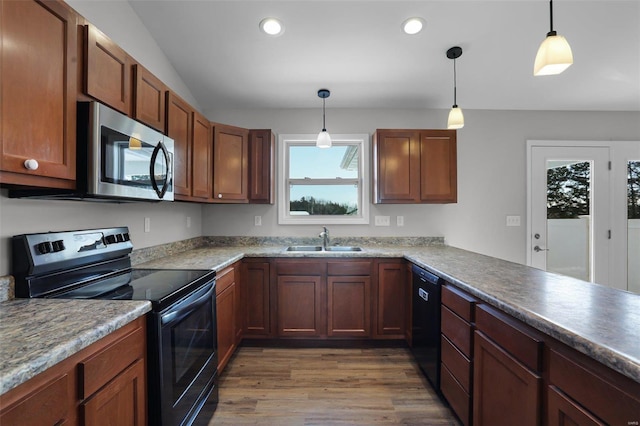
{"points": [[36, 334], [598, 321]]}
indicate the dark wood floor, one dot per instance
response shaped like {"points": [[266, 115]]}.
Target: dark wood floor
{"points": [[299, 386]]}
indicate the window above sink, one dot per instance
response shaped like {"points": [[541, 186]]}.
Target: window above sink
{"points": [[323, 185]]}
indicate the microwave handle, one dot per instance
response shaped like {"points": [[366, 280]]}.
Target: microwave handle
{"points": [[152, 167]]}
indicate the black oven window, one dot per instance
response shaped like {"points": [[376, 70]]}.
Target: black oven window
{"points": [[192, 343]]}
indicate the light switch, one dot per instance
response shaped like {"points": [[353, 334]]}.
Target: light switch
{"points": [[147, 224], [383, 221]]}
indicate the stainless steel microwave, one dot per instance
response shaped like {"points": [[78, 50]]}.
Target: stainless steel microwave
{"points": [[118, 159]]}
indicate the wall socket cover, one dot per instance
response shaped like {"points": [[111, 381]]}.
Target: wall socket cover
{"points": [[257, 220], [400, 220], [147, 224], [383, 221], [513, 220]]}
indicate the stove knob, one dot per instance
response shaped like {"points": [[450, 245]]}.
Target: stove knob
{"points": [[126, 236], [44, 247], [119, 238], [111, 239]]}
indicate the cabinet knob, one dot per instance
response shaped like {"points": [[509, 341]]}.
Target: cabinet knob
{"points": [[31, 164], [219, 195]]}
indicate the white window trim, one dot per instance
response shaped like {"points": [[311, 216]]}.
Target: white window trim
{"points": [[283, 198]]}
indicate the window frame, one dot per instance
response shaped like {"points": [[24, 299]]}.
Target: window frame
{"points": [[287, 140]]}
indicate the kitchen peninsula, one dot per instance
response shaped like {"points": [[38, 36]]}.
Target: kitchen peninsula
{"points": [[565, 314]]}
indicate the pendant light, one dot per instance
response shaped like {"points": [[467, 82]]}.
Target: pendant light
{"points": [[456, 118], [554, 54], [324, 140]]}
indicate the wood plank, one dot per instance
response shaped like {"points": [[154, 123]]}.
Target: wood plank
{"points": [[320, 386]]}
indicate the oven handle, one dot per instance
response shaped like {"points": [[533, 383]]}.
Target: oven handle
{"points": [[152, 169], [189, 304]]}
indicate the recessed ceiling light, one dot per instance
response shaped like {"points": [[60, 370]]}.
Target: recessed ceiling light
{"points": [[271, 26], [413, 25]]}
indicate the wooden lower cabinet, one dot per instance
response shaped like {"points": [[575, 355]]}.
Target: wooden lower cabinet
{"points": [[256, 298], [349, 306], [457, 326], [507, 370], [104, 383], [391, 299], [228, 315], [300, 306]]}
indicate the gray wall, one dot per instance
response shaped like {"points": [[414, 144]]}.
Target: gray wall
{"points": [[491, 171]]}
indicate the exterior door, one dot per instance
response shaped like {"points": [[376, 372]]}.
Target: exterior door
{"points": [[570, 205]]}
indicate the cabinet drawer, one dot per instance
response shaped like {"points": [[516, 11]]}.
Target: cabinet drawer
{"points": [[97, 370], [610, 396], [46, 406], [349, 268], [512, 335], [458, 399], [458, 364], [224, 279], [457, 330], [301, 268], [459, 302]]}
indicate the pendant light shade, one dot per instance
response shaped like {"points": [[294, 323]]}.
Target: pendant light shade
{"points": [[456, 118], [554, 54], [324, 139]]}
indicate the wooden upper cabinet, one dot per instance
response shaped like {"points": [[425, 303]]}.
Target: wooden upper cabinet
{"points": [[149, 98], [38, 101], [107, 71], [230, 164], [179, 116], [438, 167], [262, 152], [396, 156], [202, 158], [415, 166]]}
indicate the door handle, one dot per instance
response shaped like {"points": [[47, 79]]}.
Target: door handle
{"points": [[538, 249]]}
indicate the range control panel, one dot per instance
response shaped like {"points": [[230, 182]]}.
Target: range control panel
{"points": [[37, 253]]}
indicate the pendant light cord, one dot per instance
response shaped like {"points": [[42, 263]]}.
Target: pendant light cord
{"points": [[551, 32], [455, 104], [324, 127]]}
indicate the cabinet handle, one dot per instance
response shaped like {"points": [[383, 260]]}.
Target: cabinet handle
{"points": [[219, 195], [31, 164]]}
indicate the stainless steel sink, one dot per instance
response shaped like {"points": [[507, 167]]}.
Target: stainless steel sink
{"points": [[304, 248], [344, 248], [319, 248]]}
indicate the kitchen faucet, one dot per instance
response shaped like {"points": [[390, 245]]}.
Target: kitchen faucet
{"points": [[325, 238]]}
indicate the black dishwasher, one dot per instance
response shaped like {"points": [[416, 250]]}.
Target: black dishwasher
{"points": [[426, 323]]}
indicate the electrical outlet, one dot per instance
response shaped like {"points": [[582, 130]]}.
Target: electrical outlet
{"points": [[400, 220], [513, 220], [257, 220], [188, 221], [383, 221], [147, 224]]}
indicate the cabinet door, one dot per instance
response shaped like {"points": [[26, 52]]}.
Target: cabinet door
{"points": [[179, 116], [348, 306], [149, 98], [505, 392], [391, 296], [299, 306], [256, 296], [262, 151], [562, 411], [202, 158], [38, 93], [396, 166], [438, 166], [108, 71], [45, 406], [121, 402], [230, 164], [226, 324]]}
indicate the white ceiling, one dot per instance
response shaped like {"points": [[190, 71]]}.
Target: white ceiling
{"points": [[357, 50]]}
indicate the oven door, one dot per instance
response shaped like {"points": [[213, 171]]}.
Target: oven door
{"points": [[188, 361]]}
